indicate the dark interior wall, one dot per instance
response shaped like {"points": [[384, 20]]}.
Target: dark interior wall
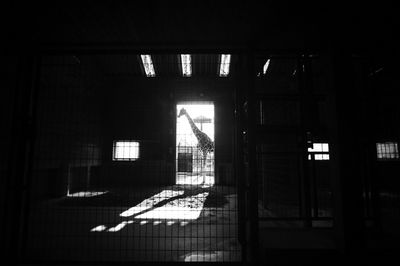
{"points": [[383, 78], [81, 111], [9, 84], [7, 100], [144, 109], [69, 126], [388, 126]]}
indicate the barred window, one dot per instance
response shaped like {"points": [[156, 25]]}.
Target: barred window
{"points": [[387, 151], [319, 152], [125, 150]]}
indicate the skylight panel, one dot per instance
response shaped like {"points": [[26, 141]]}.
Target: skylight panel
{"points": [[186, 61], [225, 64], [266, 65], [148, 65]]}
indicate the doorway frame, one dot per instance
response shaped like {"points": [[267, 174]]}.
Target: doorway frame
{"points": [[175, 112]]}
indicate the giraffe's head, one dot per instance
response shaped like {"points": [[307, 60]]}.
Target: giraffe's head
{"points": [[182, 112]]}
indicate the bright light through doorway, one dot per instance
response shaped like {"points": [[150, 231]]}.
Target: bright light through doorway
{"points": [[175, 205], [168, 207], [195, 143]]}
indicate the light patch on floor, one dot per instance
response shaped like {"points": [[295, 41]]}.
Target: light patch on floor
{"points": [[184, 223], [181, 208], [119, 226], [204, 256], [211, 237], [99, 228], [188, 208], [150, 202], [195, 179], [86, 194]]}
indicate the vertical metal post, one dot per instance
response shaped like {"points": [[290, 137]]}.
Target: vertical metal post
{"points": [[373, 179], [22, 151], [239, 167], [315, 187], [305, 132], [252, 159], [27, 185], [347, 179]]}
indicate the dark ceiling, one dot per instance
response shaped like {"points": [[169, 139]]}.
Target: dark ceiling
{"points": [[273, 25]]}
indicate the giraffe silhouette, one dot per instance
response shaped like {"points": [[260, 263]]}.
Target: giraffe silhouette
{"points": [[205, 144]]}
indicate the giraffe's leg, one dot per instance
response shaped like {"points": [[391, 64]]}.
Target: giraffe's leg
{"points": [[204, 166]]}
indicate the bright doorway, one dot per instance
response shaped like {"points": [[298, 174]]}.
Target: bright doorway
{"points": [[195, 147]]}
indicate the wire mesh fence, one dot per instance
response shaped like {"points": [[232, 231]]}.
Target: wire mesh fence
{"points": [[129, 167], [293, 173], [115, 179]]}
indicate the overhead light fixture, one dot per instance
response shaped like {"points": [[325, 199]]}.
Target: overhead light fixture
{"points": [[376, 71], [224, 66], [186, 61], [148, 65], [266, 65]]}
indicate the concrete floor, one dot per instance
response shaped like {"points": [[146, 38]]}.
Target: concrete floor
{"points": [[62, 229]]}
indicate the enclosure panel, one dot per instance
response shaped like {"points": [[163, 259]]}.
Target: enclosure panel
{"points": [[294, 183], [105, 181]]}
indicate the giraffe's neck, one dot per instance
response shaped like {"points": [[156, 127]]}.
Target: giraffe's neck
{"points": [[195, 129]]}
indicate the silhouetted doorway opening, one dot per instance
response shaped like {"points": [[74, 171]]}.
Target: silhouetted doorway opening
{"points": [[195, 143]]}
